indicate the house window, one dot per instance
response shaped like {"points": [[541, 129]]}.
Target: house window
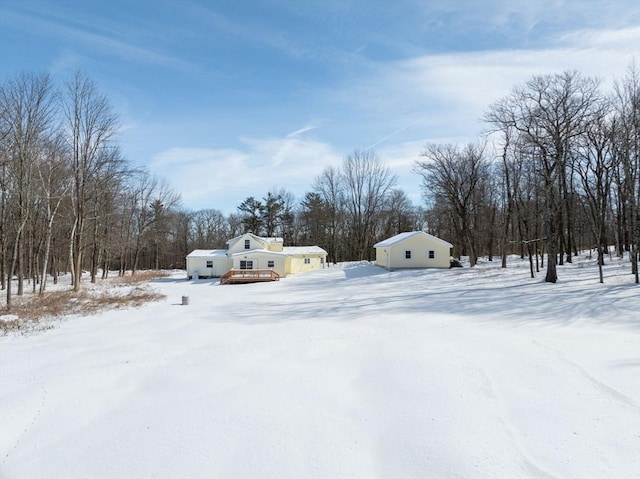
{"points": [[246, 264], [209, 264], [307, 261], [407, 254], [247, 244], [432, 254], [270, 264]]}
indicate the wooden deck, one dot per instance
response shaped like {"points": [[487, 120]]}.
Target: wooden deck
{"points": [[249, 276]]}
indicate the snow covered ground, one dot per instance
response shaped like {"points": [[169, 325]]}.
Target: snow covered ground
{"points": [[349, 372]]}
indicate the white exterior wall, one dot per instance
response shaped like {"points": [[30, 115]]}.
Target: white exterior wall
{"points": [[298, 265], [393, 257], [419, 254], [237, 244], [199, 265], [261, 261], [382, 257]]}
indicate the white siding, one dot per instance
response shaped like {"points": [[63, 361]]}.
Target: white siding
{"points": [[394, 254], [198, 266], [237, 244], [261, 261]]}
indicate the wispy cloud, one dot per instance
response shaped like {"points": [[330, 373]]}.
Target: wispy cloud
{"points": [[258, 34], [441, 98], [445, 95], [223, 178], [386, 79], [301, 131], [82, 38], [395, 107], [386, 138], [619, 39]]}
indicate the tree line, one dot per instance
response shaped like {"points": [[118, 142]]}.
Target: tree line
{"points": [[349, 208], [70, 202], [557, 171]]}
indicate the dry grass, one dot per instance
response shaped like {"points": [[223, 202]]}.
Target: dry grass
{"points": [[140, 277], [34, 312]]}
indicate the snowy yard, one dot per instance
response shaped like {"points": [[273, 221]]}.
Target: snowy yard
{"points": [[349, 372]]}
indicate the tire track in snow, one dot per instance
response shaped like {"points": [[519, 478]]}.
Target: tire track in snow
{"points": [[492, 392], [593, 390], [600, 385]]}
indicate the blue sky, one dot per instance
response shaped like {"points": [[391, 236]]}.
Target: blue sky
{"points": [[230, 99]]}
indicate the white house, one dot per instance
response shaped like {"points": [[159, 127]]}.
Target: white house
{"points": [[207, 263], [249, 251], [413, 249]]}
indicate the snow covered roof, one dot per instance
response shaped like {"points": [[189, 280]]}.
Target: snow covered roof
{"points": [[403, 236], [286, 251], [261, 252], [207, 253], [303, 250]]}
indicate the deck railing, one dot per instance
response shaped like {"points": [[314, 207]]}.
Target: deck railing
{"points": [[249, 276]]}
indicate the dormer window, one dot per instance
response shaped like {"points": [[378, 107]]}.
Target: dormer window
{"points": [[247, 244]]}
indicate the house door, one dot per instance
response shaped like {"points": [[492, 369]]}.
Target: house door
{"points": [[246, 264]]}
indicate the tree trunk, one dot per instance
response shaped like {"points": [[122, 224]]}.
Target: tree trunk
{"points": [[600, 263], [552, 275]]}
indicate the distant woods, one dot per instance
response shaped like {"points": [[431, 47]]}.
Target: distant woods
{"points": [[562, 175], [556, 172], [70, 202], [349, 208]]}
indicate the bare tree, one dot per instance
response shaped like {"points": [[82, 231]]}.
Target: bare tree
{"points": [[549, 112], [5, 184], [109, 185], [27, 106], [236, 225], [454, 176], [367, 186], [209, 228], [153, 199], [595, 166], [329, 186], [627, 151], [91, 129], [55, 182], [508, 169], [400, 215]]}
